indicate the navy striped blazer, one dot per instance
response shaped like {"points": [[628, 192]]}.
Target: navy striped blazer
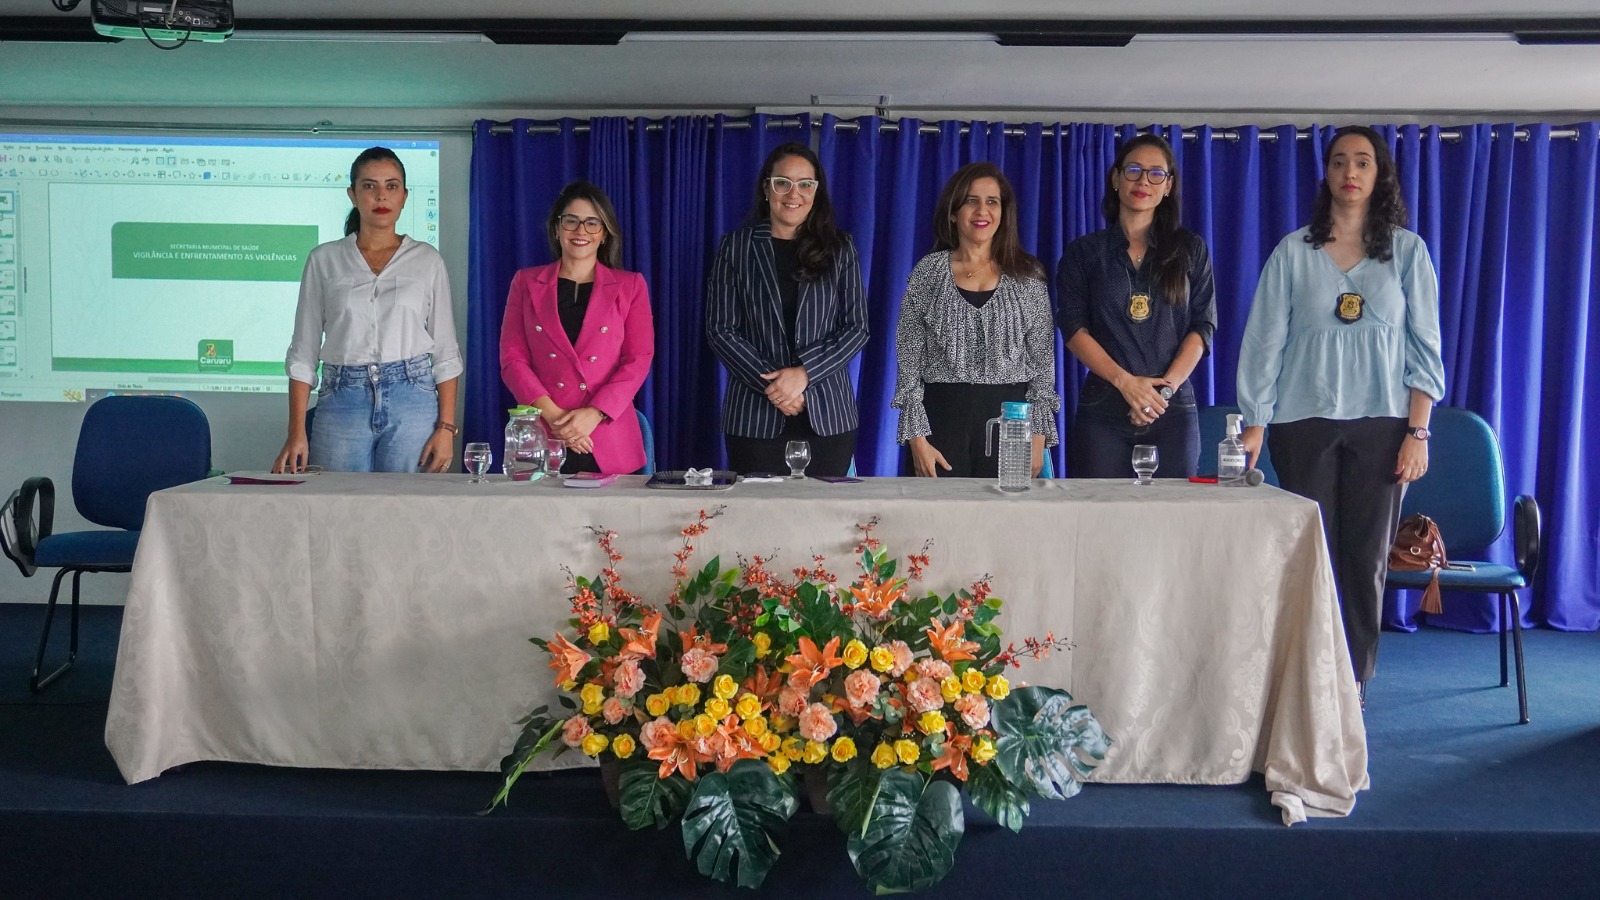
{"points": [[747, 331]]}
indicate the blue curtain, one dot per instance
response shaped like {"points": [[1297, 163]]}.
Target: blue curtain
{"points": [[1510, 223]]}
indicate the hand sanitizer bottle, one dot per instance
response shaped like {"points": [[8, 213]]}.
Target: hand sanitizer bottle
{"points": [[1230, 454]]}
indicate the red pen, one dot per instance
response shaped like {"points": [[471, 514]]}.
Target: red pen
{"points": [[1203, 479]]}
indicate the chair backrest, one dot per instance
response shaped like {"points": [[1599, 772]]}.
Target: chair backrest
{"points": [[649, 435], [1048, 470], [1213, 424], [131, 447], [1465, 488]]}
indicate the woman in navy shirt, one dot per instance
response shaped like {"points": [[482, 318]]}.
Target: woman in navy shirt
{"points": [[1137, 306]]}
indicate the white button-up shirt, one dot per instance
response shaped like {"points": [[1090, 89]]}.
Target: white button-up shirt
{"points": [[348, 316]]}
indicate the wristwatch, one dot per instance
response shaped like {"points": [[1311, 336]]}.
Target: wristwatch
{"points": [[1418, 432]]}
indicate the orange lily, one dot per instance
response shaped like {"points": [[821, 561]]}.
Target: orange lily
{"points": [[876, 599], [703, 641], [566, 658], [640, 643], [730, 744], [812, 665], [954, 757], [947, 641], [675, 753], [763, 685]]}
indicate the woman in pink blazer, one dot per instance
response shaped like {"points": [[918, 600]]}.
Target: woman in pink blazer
{"points": [[578, 336]]}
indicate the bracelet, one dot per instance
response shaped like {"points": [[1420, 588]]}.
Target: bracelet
{"points": [[447, 426]]}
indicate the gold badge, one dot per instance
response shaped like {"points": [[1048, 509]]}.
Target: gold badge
{"points": [[1139, 307], [1350, 307]]}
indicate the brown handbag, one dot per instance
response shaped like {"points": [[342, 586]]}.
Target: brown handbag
{"points": [[1418, 547]]}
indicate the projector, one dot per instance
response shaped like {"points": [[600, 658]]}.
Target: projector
{"points": [[163, 20]]}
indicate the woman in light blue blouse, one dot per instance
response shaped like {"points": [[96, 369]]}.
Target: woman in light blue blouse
{"points": [[1341, 358]]}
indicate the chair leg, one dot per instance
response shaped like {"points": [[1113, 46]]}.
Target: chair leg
{"points": [[1516, 633], [37, 684], [1505, 626]]}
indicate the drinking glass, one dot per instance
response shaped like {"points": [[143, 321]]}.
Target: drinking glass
{"points": [[475, 457], [798, 455], [1145, 460], [555, 453]]}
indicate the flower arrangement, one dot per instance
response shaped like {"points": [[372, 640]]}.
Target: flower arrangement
{"points": [[712, 704]]}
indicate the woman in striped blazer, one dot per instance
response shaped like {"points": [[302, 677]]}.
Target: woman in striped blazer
{"points": [[786, 312]]}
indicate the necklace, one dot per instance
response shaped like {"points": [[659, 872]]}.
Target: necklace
{"points": [[981, 268]]}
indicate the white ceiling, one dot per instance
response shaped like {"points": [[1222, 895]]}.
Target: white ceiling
{"points": [[1219, 80]]}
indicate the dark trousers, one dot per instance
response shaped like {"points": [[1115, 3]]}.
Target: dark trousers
{"points": [[958, 415], [1347, 466], [1102, 439], [830, 454]]}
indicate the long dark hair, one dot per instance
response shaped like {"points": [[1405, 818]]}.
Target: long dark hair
{"points": [[1386, 209], [610, 252], [818, 239], [1006, 250], [352, 222], [1172, 267]]}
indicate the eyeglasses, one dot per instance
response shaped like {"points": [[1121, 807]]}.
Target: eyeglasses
{"points": [[590, 225], [1132, 173], [781, 185]]}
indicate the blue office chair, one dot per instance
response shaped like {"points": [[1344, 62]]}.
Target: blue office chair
{"points": [[1213, 424], [649, 436], [128, 448], [1464, 492]]}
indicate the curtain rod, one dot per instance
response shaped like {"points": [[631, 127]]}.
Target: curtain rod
{"points": [[1189, 134]]}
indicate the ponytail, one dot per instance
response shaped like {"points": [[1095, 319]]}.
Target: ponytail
{"points": [[352, 222]]}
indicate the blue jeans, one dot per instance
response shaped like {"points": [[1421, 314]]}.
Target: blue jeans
{"points": [[374, 418], [1102, 439]]}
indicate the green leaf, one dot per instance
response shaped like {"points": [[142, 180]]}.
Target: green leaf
{"points": [[536, 735], [886, 569], [567, 701], [648, 800], [993, 794], [1045, 743], [910, 838], [852, 790], [733, 822]]}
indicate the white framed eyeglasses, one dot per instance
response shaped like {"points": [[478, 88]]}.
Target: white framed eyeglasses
{"points": [[590, 225], [782, 185], [1133, 173]]}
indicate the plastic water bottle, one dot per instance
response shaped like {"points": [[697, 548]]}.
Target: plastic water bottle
{"points": [[1016, 446], [1231, 455], [523, 456]]}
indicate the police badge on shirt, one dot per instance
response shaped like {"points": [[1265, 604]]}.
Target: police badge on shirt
{"points": [[1350, 307], [1139, 307]]}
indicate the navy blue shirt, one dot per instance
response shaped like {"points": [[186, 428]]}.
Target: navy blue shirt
{"points": [[1096, 288]]}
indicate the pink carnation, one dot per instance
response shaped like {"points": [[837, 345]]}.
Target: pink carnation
{"points": [[628, 679], [974, 710], [924, 696], [861, 688], [613, 710], [791, 702], [576, 729], [698, 665], [817, 724], [902, 658], [657, 732], [937, 669]]}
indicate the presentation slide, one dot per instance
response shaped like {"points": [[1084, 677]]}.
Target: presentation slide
{"points": [[170, 263]]}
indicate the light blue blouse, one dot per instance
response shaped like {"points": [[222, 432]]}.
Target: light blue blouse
{"points": [[1299, 360]]}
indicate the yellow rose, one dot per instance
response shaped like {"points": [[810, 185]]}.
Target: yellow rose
{"points": [[717, 708], [998, 688], [763, 642], [793, 748], [594, 744], [748, 707], [782, 724], [756, 726], [931, 722], [686, 729], [982, 751], [770, 742], [844, 750], [972, 680], [704, 725], [688, 694], [908, 751], [883, 756], [594, 696], [599, 633], [855, 654], [815, 752], [882, 659], [623, 746], [950, 689], [779, 763], [658, 704], [725, 687]]}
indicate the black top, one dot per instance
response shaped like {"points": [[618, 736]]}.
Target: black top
{"points": [[572, 301], [785, 260], [978, 298]]}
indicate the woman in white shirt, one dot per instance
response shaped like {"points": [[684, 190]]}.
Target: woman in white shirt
{"points": [[375, 311]]}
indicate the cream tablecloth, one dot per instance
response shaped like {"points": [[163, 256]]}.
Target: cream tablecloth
{"points": [[381, 621]]}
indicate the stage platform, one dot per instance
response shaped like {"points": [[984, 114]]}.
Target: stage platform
{"points": [[1463, 803]]}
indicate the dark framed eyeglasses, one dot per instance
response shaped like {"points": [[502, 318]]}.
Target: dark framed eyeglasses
{"points": [[1133, 173], [590, 225], [782, 185]]}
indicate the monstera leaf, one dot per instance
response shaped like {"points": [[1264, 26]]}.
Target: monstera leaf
{"points": [[852, 790], [997, 796], [733, 822], [910, 838], [648, 800], [1046, 744]]}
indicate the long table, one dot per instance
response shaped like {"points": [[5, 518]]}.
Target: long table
{"points": [[381, 621]]}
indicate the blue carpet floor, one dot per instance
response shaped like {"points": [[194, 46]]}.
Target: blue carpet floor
{"points": [[1464, 803]]}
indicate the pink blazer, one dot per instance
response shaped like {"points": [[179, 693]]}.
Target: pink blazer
{"points": [[606, 367]]}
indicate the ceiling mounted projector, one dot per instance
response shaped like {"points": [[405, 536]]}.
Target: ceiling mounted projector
{"points": [[163, 20]]}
